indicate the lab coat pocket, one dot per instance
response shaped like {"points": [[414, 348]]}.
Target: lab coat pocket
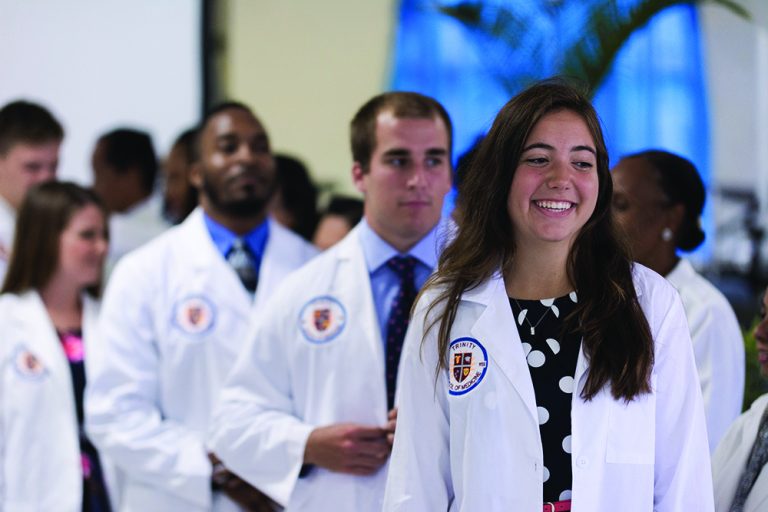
{"points": [[631, 431]]}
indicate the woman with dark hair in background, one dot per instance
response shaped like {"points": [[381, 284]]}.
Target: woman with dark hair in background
{"points": [[179, 195], [294, 202], [740, 462], [48, 310], [543, 370], [658, 200], [338, 219]]}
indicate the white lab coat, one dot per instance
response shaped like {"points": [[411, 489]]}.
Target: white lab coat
{"points": [[290, 380], [730, 460], [173, 321], [7, 228], [39, 442], [718, 347], [481, 450]]}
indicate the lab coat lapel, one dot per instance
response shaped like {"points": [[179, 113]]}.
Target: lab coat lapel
{"points": [[750, 432], [350, 261], [277, 262], [205, 260], [582, 365], [758, 498], [495, 328], [90, 321], [43, 340]]}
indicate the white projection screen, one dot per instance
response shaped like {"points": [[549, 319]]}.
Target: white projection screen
{"points": [[100, 64]]}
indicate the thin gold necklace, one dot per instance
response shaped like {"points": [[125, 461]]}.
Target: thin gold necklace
{"points": [[532, 326]]}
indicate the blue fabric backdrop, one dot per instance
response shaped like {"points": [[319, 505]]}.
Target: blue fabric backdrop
{"points": [[654, 97]]}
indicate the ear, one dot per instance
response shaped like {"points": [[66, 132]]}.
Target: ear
{"points": [[196, 175], [358, 177], [674, 217]]}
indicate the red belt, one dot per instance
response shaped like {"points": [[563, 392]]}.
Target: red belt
{"points": [[557, 506]]}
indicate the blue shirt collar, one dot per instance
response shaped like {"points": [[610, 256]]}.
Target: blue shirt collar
{"points": [[377, 251], [223, 238]]}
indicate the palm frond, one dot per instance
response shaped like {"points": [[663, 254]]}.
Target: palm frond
{"points": [[512, 38], [607, 30]]}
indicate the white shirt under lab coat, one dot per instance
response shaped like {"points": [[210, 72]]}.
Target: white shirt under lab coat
{"points": [[39, 440], [315, 358], [730, 460], [173, 321], [480, 450], [7, 228], [135, 227], [718, 347]]}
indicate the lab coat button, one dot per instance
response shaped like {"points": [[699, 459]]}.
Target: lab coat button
{"points": [[582, 462]]}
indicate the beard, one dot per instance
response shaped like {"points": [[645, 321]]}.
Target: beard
{"points": [[249, 206]]}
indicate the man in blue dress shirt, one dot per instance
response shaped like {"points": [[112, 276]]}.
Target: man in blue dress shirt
{"points": [[173, 321], [308, 413]]}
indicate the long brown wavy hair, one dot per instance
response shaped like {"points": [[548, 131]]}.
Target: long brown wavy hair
{"points": [[616, 335]]}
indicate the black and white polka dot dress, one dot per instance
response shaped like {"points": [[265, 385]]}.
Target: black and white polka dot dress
{"points": [[552, 360]]}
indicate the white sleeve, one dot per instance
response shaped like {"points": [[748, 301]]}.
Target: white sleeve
{"points": [[683, 479], [123, 416], [719, 352], [4, 361], [419, 475], [255, 430]]}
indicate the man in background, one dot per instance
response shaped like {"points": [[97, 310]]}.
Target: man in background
{"points": [[174, 318], [179, 195], [124, 173], [308, 413], [30, 138]]}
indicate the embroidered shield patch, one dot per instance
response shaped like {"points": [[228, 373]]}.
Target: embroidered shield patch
{"points": [[462, 365], [194, 315], [28, 365], [322, 319], [468, 364]]}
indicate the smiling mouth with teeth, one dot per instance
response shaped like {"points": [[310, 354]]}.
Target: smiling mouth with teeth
{"points": [[558, 206]]}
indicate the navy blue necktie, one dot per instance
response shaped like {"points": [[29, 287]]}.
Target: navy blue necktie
{"points": [[244, 264], [399, 314]]}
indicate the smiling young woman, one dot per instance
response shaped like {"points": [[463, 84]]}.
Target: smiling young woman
{"points": [[48, 310], [540, 362]]}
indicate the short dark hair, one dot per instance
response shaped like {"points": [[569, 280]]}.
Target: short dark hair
{"points": [[348, 207], [127, 148], [298, 194], [402, 105], [26, 122], [210, 113], [681, 184], [43, 216], [186, 141], [221, 107]]}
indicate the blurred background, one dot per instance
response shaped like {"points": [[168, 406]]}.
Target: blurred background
{"points": [[688, 77]]}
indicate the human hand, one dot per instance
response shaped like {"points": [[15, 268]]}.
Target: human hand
{"points": [[391, 424], [348, 448]]}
